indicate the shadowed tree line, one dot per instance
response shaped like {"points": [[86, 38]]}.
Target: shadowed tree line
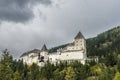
{"points": [[104, 43]]}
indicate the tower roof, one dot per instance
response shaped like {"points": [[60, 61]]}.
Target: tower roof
{"points": [[79, 35], [44, 48]]}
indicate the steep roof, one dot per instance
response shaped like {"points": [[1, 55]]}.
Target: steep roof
{"points": [[32, 51], [79, 35], [54, 49], [44, 48]]}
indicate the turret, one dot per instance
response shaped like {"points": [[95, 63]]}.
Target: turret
{"points": [[43, 55], [44, 48]]}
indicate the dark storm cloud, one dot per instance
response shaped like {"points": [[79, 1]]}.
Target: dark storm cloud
{"points": [[19, 10]]}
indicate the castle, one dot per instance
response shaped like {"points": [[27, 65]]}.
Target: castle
{"points": [[71, 52]]}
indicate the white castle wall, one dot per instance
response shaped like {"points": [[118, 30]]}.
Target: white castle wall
{"points": [[29, 59], [67, 56], [74, 51], [53, 58], [72, 55]]}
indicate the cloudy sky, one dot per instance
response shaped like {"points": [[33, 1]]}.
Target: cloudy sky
{"points": [[28, 24]]}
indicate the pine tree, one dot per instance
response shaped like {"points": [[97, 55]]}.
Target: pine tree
{"points": [[17, 76], [6, 71], [70, 74]]}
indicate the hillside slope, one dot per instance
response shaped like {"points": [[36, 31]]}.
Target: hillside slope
{"points": [[106, 42]]}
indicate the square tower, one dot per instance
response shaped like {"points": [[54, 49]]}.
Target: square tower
{"points": [[79, 43]]}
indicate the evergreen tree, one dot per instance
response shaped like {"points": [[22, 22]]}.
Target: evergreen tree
{"points": [[5, 72], [70, 74], [34, 72], [5, 66], [17, 76]]}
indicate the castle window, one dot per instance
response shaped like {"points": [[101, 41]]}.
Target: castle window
{"points": [[50, 59], [56, 59]]}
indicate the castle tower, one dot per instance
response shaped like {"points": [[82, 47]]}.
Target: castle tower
{"points": [[80, 42]]}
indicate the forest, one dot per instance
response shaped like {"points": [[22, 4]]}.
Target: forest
{"points": [[105, 46]]}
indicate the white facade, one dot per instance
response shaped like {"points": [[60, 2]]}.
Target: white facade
{"points": [[30, 58], [73, 51]]}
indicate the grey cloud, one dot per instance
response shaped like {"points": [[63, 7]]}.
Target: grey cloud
{"points": [[90, 16], [19, 10]]}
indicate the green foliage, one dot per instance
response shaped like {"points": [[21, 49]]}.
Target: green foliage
{"points": [[5, 72], [6, 58], [17, 76], [104, 43], [118, 64], [70, 74], [34, 72], [15, 70], [59, 75], [5, 66], [47, 71], [109, 59], [117, 76]]}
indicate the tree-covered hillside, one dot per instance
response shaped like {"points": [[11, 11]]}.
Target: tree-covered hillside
{"points": [[106, 42]]}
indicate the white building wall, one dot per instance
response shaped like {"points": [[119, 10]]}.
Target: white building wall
{"points": [[73, 55], [29, 59], [53, 58]]}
